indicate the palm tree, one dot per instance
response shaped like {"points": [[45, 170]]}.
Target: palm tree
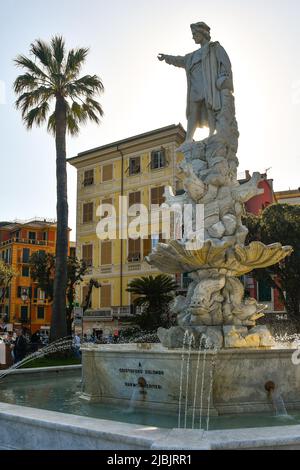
{"points": [[153, 294], [53, 77]]}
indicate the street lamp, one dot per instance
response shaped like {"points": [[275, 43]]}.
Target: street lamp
{"points": [[25, 297]]}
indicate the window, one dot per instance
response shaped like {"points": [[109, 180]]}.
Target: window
{"points": [[158, 159], [25, 271], [134, 166], [24, 313], [88, 178], [157, 195], [45, 236], [32, 236], [134, 198], [24, 290], [105, 296], [106, 253], [41, 294], [87, 254], [147, 246], [107, 173], [88, 210], [264, 292], [26, 255], [134, 250], [40, 313]]}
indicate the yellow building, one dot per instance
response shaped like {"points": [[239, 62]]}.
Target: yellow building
{"points": [[138, 167], [290, 196]]}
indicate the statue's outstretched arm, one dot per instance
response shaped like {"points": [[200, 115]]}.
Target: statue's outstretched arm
{"points": [[177, 60]]}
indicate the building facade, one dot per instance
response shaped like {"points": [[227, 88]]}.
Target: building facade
{"points": [[25, 304], [291, 196], [138, 167]]}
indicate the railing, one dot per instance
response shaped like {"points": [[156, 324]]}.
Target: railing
{"points": [[121, 311], [27, 241], [34, 219], [98, 315]]}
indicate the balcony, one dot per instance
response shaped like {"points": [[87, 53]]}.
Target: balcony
{"points": [[98, 315], [26, 241]]}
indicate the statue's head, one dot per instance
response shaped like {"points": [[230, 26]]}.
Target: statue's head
{"points": [[201, 31]]}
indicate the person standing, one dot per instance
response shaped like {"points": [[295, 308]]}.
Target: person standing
{"points": [[76, 345], [19, 347]]}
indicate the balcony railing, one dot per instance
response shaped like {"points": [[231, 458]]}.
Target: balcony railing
{"points": [[27, 241], [105, 315]]}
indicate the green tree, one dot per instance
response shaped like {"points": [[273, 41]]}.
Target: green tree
{"points": [[6, 275], [53, 76], [153, 295], [42, 269], [76, 271], [280, 223]]}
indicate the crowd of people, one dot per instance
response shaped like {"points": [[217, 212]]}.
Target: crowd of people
{"points": [[21, 343]]}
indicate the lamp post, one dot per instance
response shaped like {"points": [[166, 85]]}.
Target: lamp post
{"points": [[25, 297]]}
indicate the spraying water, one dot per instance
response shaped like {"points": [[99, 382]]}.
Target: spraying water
{"points": [[215, 352], [201, 344], [202, 384], [185, 338], [62, 344], [190, 343]]}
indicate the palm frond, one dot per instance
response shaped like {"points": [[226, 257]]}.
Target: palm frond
{"points": [[33, 98], [42, 51], [25, 63], [51, 126], [25, 82], [75, 61], [36, 115], [58, 48]]}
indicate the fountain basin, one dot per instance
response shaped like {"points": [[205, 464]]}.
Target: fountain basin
{"points": [[42, 409], [111, 374]]}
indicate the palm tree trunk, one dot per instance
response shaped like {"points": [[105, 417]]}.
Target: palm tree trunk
{"points": [[58, 322]]}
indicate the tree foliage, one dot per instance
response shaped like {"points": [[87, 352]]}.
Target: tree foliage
{"points": [[280, 223], [42, 268], [153, 295], [6, 275]]}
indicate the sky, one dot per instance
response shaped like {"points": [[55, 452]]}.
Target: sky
{"points": [[141, 93]]}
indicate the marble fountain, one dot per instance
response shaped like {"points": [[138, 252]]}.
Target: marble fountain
{"points": [[216, 360]]}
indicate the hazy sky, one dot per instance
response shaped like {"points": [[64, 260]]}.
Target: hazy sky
{"points": [[141, 94]]}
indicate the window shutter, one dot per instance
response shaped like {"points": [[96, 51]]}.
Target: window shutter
{"points": [[134, 198], [134, 250], [107, 173], [106, 253], [88, 210], [147, 246], [105, 294], [87, 254]]}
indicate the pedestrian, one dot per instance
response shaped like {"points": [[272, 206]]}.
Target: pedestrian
{"points": [[76, 346], [116, 336], [20, 346], [35, 341]]}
